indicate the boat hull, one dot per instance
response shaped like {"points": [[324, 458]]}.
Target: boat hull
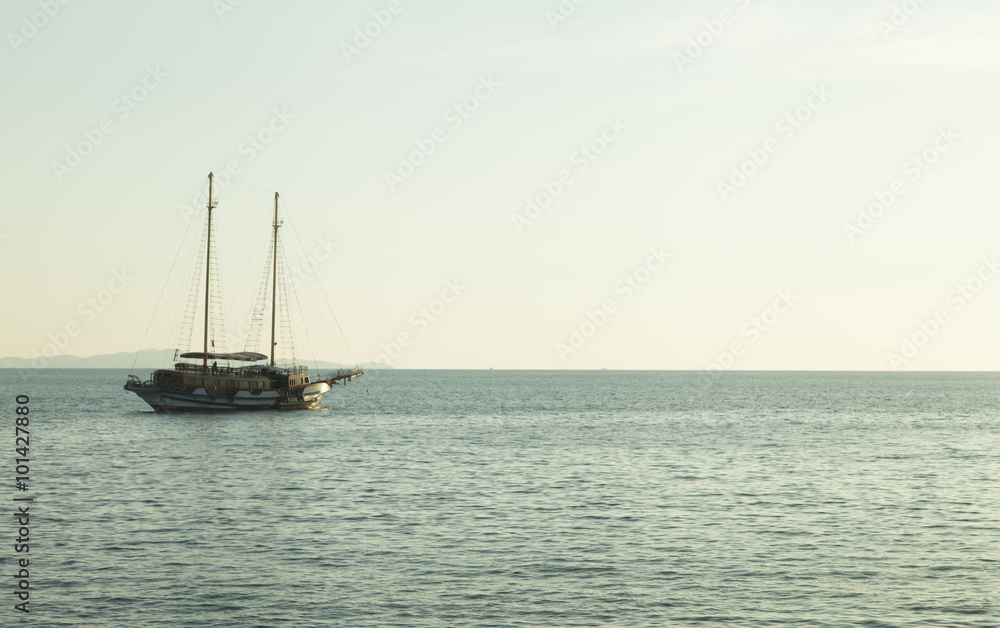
{"points": [[167, 400]]}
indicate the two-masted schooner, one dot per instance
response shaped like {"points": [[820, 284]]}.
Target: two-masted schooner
{"points": [[200, 386]]}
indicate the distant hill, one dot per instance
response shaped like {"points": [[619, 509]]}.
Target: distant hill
{"points": [[147, 359]]}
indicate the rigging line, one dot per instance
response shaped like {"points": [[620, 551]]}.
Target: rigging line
{"points": [[160, 298], [319, 311], [191, 303], [177, 326], [342, 335], [327, 299], [177, 321], [326, 332], [256, 187], [287, 325], [219, 319], [305, 327], [192, 291], [312, 294], [260, 303], [253, 254]]}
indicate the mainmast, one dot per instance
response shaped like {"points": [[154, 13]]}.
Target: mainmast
{"points": [[274, 283], [208, 268]]}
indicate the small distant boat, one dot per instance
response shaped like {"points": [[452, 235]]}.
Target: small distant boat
{"points": [[200, 386]]}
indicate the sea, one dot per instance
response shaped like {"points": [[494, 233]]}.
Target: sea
{"points": [[514, 498]]}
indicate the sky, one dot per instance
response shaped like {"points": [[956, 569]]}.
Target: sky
{"points": [[524, 184]]}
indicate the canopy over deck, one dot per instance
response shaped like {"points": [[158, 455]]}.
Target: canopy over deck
{"points": [[245, 356]]}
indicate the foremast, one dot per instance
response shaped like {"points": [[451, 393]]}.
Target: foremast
{"points": [[274, 281]]}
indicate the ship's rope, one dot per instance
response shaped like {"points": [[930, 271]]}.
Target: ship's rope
{"points": [[326, 331], [163, 291], [256, 326], [302, 248], [218, 336], [333, 347], [287, 325], [247, 185], [305, 328], [187, 304], [323, 292], [239, 286]]}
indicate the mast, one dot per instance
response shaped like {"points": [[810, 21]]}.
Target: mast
{"points": [[274, 283], [208, 269]]}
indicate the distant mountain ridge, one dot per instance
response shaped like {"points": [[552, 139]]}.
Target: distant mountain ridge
{"points": [[147, 359]]}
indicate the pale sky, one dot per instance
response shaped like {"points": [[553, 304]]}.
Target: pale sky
{"points": [[843, 104]]}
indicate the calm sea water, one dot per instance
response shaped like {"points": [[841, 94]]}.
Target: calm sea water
{"points": [[518, 499]]}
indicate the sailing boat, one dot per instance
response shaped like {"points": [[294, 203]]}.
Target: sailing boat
{"points": [[194, 386]]}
